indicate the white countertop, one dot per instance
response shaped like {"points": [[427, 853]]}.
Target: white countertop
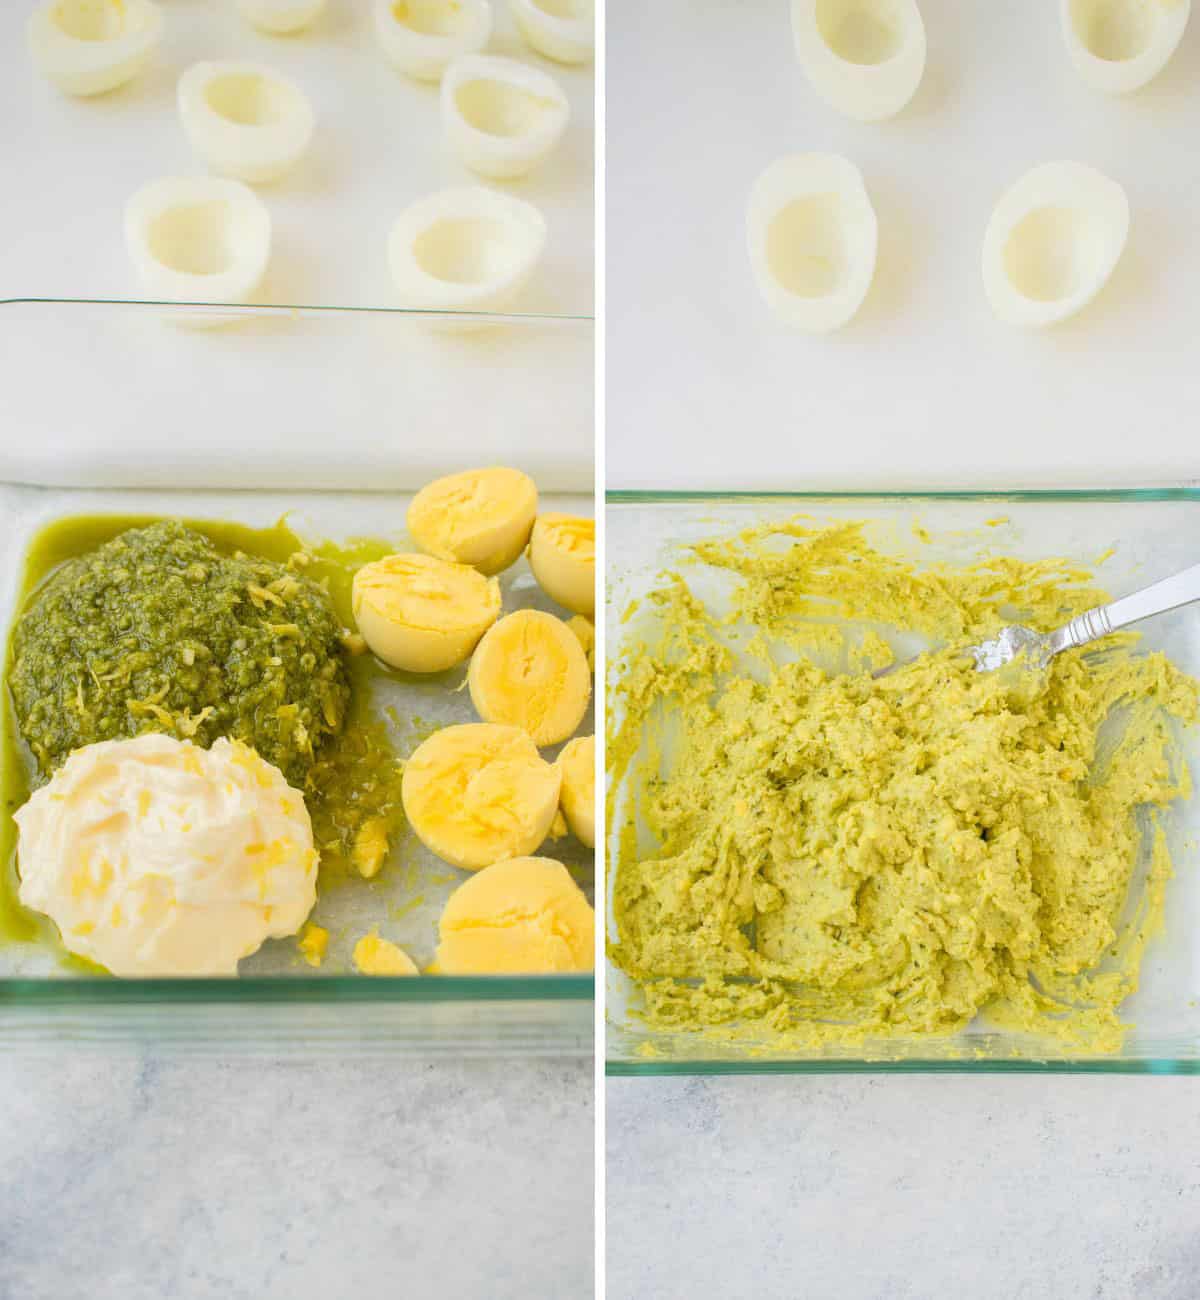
{"points": [[378, 146], [925, 387], [107, 395], [127, 1178], [904, 1188]]}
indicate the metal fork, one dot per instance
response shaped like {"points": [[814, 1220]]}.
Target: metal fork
{"points": [[1040, 647]]}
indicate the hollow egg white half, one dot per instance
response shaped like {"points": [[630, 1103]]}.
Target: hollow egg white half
{"points": [[813, 236], [198, 239], [281, 17], [865, 58], [1119, 45], [562, 30], [421, 38], [501, 117], [245, 120], [88, 47], [1053, 240], [470, 249]]}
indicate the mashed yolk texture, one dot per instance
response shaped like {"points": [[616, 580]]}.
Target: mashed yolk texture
{"points": [[808, 855]]}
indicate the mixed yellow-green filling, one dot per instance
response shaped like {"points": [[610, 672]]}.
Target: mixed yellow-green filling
{"points": [[826, 857]]}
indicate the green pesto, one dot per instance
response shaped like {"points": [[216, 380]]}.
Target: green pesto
{"points": [[158, 630], [122, 599]]}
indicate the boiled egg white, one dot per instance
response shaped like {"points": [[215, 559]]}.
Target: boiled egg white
{"points": [[562, 30], [280, 17], [501, 117], [198, 239], [863, 57], [813, 237], [468, 249], [1119, 45], [244, 120], [421, 38], [1052, 242], [86, 47]]}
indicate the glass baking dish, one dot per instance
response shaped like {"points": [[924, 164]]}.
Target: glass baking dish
{"points": [[1150, 534], [332, 417]]}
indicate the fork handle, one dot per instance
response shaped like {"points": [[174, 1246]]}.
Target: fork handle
{"points": [[1158, 598]]}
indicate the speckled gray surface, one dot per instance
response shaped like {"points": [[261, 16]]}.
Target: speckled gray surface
{"points": [[130, 1179], [892, 1188]]}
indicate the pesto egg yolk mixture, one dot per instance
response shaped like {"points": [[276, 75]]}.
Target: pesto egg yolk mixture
{"points": [[817, 858]]}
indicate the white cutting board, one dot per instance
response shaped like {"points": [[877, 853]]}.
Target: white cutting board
{"points": [[925, 388], [90, 397]]}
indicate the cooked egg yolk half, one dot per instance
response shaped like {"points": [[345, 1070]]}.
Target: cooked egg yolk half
{"points": [[480, 517], [562, 555], [578, 796], [523, 916], [475, 794], [422, 614], [530, 671]]}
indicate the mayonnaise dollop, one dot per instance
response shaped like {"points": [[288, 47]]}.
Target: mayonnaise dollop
{"points": [[156, 857]]}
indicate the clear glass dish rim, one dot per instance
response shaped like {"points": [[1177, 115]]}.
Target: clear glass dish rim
{"points": [[623, 1067], [108, 991], [263, 309], [626, 1069], [657, 496]]}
